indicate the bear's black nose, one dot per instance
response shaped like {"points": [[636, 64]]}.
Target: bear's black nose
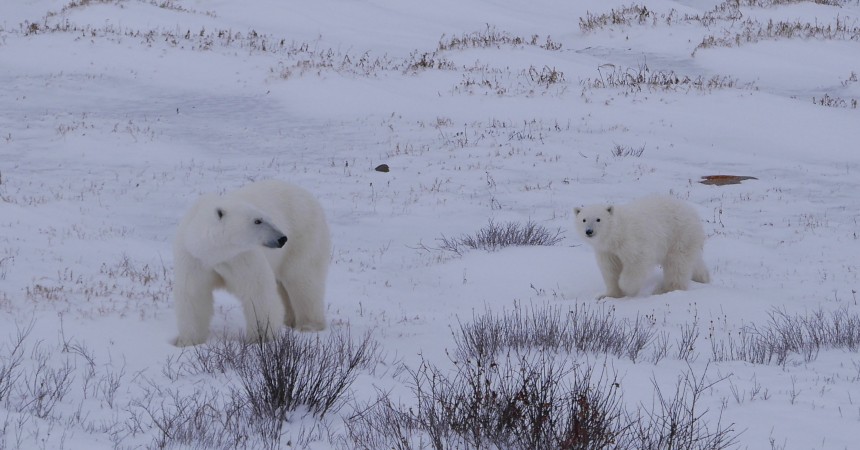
{"points": [[589, 232], [282, 241]]}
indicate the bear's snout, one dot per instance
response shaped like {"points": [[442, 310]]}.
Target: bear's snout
{"points": [[276, 243], [589, 232]]}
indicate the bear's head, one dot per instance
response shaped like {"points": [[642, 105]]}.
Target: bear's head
{"points": [[217, 229], [593, 222]]}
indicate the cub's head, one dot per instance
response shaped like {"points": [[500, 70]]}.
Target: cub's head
{"points": [[217, 229], [593, 222]]}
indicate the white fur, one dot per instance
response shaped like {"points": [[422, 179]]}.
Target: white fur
{"points": [[231, 242], [630, 240]]}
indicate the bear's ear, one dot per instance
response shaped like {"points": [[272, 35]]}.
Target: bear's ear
{"points": [[577, 210], [609, 209], [220, 212]]}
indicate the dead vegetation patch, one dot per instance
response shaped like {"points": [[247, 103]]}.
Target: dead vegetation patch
{"points": [[722, 180]]}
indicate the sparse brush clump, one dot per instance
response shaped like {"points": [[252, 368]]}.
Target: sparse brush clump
{"points": [[625, 15], [532, 402], [490, 37], [501, 81], [481, 78], [11, 358], [291, 371], [426, 60], [785, 335], [568, 330], [164, 4], [292, 375], [532, 396], [546, 76], [496, 236], [751, 31], [297, 370], [729, 10], [623, 151], [835, 102], [523, 402], [677, 421], [31, 381], [6, 262], [768, 3], [737, 30], [300, 58], [643, 78]]}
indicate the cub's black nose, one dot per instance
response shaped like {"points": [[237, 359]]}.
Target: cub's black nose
{"points": [[282, 241], [589, 232]]}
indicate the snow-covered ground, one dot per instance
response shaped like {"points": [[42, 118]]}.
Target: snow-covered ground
{"points": [[115, 115]]}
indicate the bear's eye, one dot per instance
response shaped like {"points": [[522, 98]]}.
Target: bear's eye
{"points": [[598, 220], [258, 221], [583, 220]]}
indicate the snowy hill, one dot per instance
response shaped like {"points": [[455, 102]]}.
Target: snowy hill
{"points": [[116, 115]]}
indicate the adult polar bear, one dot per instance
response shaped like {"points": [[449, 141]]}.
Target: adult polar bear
{"points": [[267, 244], [630, 240]]}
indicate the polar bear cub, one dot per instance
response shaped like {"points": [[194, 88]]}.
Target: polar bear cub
{"points": [[630, 240], [268, 244]]}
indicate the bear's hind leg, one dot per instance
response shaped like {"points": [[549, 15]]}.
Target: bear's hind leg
{"points": [[677, 273], [700, 271], [306, 296]]}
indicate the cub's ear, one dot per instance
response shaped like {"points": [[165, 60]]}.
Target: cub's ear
{"points": [[220, 212], [577, 210], [609, 209]]}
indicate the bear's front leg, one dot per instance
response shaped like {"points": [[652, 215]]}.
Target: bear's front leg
{"points": [[193, 302], [264, 314], [632, 279], [610, 268], [250, 279], [260, 322]]}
